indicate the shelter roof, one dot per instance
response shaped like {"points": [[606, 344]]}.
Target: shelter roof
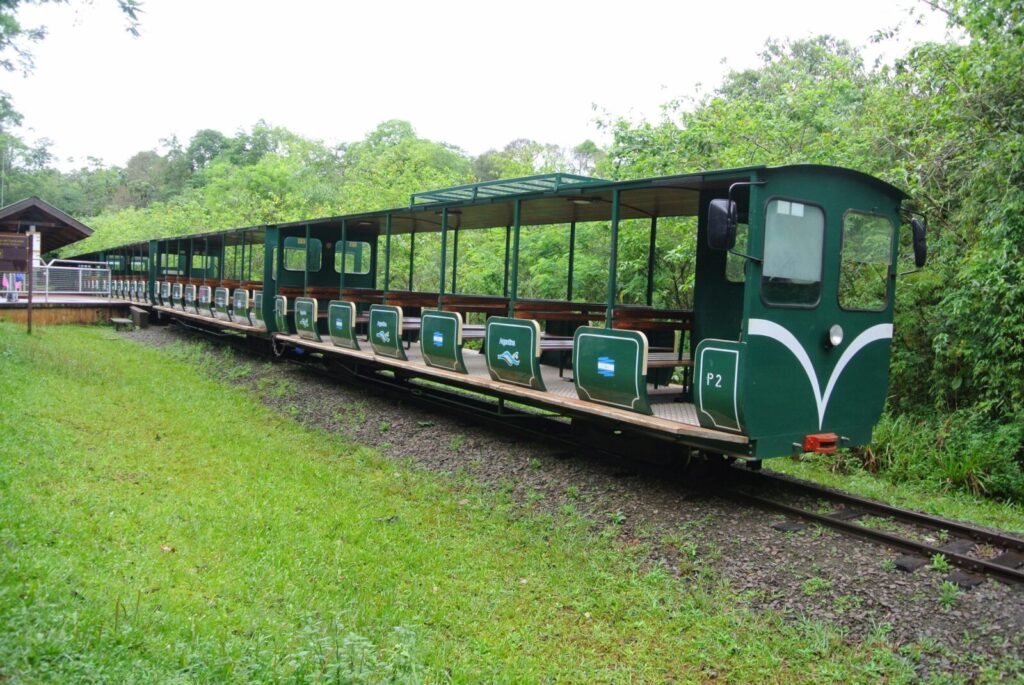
{"points": [[55, 226]]}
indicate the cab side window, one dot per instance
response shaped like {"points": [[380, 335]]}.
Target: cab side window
{"points": [[794, 238], [735, 266], [357, 257], [295, 254], [866, 258]]}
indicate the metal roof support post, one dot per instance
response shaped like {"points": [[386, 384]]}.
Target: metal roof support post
{"points": [[387, 253], [444, 256], [412, 255], [572, 260], [220, 259], [514, 292], [455, 259], [206, 258], [252, 246], [344, 250], [508, 236], [305, 266], [188, 258], [613, 261], [234, 259], [650, 261]]}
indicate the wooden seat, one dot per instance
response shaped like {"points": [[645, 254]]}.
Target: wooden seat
{"points": [[667, 360], [405, 298], [475, 304], [639, 318], [558, 310]]}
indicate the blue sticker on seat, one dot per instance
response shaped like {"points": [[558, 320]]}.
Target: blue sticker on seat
{"points": [[606, 367], [438, 339]]}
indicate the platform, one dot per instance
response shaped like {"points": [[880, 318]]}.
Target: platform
{"points": [[61, 309]]}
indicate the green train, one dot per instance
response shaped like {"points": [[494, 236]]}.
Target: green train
{"points": [[785, 348]]}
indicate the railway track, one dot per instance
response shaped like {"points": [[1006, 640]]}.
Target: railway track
{"points": [[975, 551]]}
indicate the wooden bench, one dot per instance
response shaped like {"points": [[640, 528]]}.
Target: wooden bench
{"points": [[639, 318], [405, 298], [558, 310], [475, 304]]}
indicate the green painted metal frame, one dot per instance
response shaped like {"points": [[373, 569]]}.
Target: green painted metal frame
{"points": [[610, 367], [306, 316], [385, 331], [341, 324], [512, 351], [502, 188], [441, 340]]}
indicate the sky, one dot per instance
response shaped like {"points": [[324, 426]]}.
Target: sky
{"points": [[473, 74]]}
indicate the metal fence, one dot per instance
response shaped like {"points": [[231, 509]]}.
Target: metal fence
{"points": [[59, 277]]}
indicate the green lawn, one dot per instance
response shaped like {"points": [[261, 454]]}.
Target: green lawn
{"points": [[158, 526]]}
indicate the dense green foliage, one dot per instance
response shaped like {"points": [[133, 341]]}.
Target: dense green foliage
{"points": [[946, 123]]}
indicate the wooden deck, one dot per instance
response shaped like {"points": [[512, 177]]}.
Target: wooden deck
{"points": [[208, 321], [670, 416], [673, 418], [63, 309]]}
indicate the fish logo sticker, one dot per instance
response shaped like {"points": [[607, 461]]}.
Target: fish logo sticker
{"points": [[606, 367], [384, 336], [510, 358]]}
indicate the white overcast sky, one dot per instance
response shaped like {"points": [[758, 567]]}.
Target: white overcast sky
{"points": [[474, 74]]}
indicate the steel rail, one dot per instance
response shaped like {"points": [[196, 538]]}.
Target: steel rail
{"points": [[905, 515], [963, 561]]}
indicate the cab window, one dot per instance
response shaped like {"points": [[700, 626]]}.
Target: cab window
{"points": [[295, 254], [735, 266], [794, 237], [866, 258], [357, 258]]}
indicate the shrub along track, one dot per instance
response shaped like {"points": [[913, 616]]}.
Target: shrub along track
{"points": [[694, 523]]}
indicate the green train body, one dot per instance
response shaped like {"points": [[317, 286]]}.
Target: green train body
{"points": [[786, 348]]}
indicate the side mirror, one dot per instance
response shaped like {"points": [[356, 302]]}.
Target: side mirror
{"points": [[722, 220], [919, 229]]}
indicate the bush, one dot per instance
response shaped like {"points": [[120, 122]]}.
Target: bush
{"points": [[962, 450]]}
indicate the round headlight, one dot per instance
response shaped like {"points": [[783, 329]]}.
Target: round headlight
{"points": [[835, 335]]}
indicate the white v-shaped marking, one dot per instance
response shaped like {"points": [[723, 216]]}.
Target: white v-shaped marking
{"points": [[770, 329]]}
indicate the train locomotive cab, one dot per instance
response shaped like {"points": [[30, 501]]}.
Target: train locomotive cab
{"points": [[798, 357]]}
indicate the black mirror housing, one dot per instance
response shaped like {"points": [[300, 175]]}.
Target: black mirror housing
{"points": [[919, 230], [722, 220]]}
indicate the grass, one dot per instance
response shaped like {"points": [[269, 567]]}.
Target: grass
{"points": [[158, 526], [924, 497]]}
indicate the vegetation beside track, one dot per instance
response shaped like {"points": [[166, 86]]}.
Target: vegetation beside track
{"points": [[156, 525], [929, 495]]}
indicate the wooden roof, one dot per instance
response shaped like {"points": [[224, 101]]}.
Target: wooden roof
{"points": [[56, 228]]}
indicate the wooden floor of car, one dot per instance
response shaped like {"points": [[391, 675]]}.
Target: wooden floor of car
{"points": [[662, 399], [669, 415]]}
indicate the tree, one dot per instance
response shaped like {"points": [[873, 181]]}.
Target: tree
{"points": [[14, 38]]}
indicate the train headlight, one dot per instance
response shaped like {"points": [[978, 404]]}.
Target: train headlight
{"points": [[835, 335]]}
